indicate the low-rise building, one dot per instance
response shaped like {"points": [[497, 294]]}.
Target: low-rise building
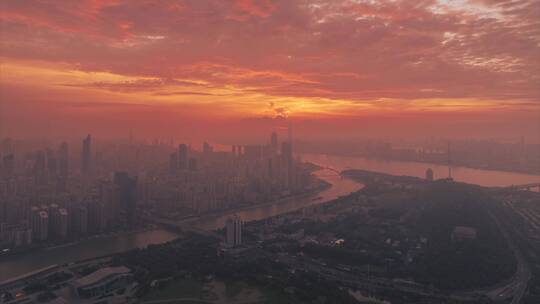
{"points": [[102, 281]]}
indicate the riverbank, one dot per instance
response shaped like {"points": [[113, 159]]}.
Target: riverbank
{"points": [[16, 265], [323, 186], [486, 178], [68, 243], [528, 171], [13, 265]]}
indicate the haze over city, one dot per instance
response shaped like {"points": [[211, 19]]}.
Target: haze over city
{"points": [[270, 151]]}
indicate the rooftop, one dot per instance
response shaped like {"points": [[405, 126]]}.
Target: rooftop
{"points": [[101, 274]]}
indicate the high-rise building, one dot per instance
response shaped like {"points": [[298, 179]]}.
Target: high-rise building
{"points": [[183, 156], [274, 143], [234, 231], [270, 168], [127, 195], [193, 164], [62, 224], [63, 167], [207, 149], [287, 164], [63, 161], [3, 210], [8, 165], [429, 174], [52, 210], [96, 216], [39, 166], [6, 147], [52, 164], [40, 224], [86, 156], [173, 162], [58, 221], [80, 219], [449, 162]]}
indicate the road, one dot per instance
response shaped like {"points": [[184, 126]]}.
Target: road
{"points": [[516, 286]]}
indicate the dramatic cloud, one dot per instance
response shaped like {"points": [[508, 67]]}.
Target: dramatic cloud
{"points": [[308, 58]]}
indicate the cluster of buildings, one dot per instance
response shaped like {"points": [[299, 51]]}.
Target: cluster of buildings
{"points": [[72, 284], [199, 182], [233, 228], [43, 200], [51, 195]]}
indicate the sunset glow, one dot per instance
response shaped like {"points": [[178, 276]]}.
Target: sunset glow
{"points": [[247, 59]]}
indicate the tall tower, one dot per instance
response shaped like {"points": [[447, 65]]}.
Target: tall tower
{"points": [[183, 161], [449, 162], [86, 155], [127, 195], [274, 143]]}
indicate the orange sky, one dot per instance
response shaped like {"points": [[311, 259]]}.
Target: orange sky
{"points": [[336, 68]]}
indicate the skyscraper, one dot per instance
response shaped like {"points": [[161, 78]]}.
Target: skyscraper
{"points": [[234, 231], [63, 160], [429, 174], [8, 165], [40, 223], [40, 167], [127, 187], [62, 224], [207, 148], [449, 162], [274, 143], [173, 162], [52, 164], [183, 160], [58, 221], [287, 163], [80, 219], [193, 164], [96, 216], [86, 156]]}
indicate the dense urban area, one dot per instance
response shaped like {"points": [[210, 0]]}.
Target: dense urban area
{"points": [[398, 239], [269, 152]]}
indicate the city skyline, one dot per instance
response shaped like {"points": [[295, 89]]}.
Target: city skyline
{"points": [[270, 151], [195, 68]]}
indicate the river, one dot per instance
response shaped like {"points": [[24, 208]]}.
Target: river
{"points": [[340, 187], [11, 266], [16, 265], [487, 178]]}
